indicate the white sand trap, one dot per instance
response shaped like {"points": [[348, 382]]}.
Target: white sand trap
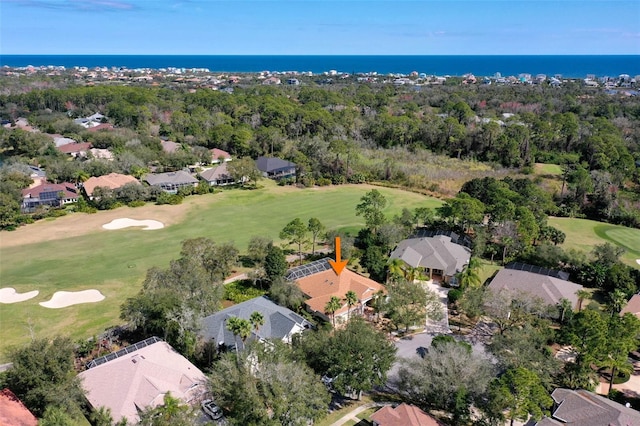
{"points": [[148, 224], [638, 261], [62, 299], [10, 295]]}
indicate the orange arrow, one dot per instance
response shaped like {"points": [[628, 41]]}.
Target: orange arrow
{"points": [[338, 265]]}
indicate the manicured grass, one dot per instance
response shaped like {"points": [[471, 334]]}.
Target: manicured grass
{"points": [[548, 169], [115, 262], [338, 414], [583, 234], [487, 269]]}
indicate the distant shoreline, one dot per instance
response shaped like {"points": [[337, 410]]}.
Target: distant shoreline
{"points": [[568, 66]]}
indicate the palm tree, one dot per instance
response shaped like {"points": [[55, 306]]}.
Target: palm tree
{"points": [[257, 320], [240, 328], [412, 274], [582, 294], [377, 303], [395, 269], [564, 306], [469, 276], [352, 298], [332, 306]]}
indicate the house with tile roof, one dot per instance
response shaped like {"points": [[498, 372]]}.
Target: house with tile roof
{"points": [[219, 156], [583, 408], [13, 412], [632, 306], [403, 415], [48, 194], [437, 256], [111, 181], [75, 149], [171, 182], [550, 290], [319, 282], [276, 168], [138, 377], [280, 323]]}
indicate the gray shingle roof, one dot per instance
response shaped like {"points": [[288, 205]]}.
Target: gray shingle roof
{"points": [[170, 178], [584, 408], [279, 322], [551, 290], [433, 252], [216, 173], [269, 164]]}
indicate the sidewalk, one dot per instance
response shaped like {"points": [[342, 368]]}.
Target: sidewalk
{"points": [[352, 415]]}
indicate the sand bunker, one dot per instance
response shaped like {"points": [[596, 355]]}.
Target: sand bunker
{"points": [[62, 299], [638, 261], [126, 223], [10, 295]]}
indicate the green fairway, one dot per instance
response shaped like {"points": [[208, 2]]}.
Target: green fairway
{"points": [[115, 262], [548, 169], [584, 234]]}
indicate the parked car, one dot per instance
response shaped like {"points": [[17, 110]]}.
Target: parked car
{"points": [[211, 409]]}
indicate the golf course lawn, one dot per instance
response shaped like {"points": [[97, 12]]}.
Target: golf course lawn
{"points": [[74, 253], [584, 234]]}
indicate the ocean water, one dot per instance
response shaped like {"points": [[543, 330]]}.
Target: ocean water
{"points": [[578, 66]]}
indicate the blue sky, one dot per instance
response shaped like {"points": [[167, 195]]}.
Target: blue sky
{"points": [[296, 27]]}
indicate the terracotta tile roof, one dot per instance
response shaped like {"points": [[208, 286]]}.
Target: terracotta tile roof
{"points": [[13, 412], [633, 306], [551, 290], [217, 153], [403, 415], [112, 180], [67, 188], [321, 286], [140, 379], [71, 148]]}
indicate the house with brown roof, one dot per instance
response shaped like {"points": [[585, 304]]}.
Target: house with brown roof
{"points": [[550, 290], [632, 306], [219, 156], [319, 282], [48, 194], [13, 412], [75, 149], [403, 415], [583, 408], [138, 377], [111, 181]]}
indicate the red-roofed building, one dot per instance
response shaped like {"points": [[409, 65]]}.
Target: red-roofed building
{"points": [[75, 149], [218, 154], [321, 283], [48, 194], [632, 306], [403, 415], [13, 412]]}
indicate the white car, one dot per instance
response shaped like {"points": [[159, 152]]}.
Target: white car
{"points": [[211, 409]]}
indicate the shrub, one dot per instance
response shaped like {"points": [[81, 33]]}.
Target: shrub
{"points": [[454, 295], [323, 181], [241, 291], [136, 203]]}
